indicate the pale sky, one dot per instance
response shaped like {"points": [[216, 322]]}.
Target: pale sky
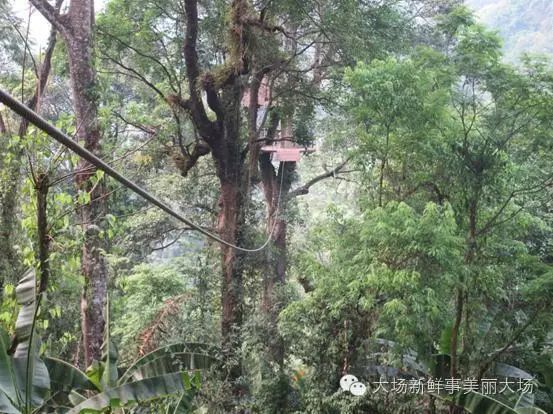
{"points": [[39, 27]]}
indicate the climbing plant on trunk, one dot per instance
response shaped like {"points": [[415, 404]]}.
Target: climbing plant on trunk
{"points": [[10, 263]]}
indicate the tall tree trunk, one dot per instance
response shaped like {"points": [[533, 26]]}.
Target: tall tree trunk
{"points": [[42, 186], [6, 225], [231, 222], [462, 296], [223, 96], [76, 28], [83, 80], [276, 187], [232, 174]]}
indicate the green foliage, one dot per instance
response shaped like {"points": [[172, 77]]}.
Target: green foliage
{"points": [[109, 356], [456, 126], [452, 23], [138, 392], [376, 273], [190, 356], [64, 377], [11, 50], [474, 402], [24, 380], [161, 373], [153, 296], [447, 190]]}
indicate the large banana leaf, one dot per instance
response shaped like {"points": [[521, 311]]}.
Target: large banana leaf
{"points": [[109, 357], [526, 400], [64, 377], [76, 398], [505, 370], [25, 293], [529, 410], [509, 397], [66, 382], [6, 406], [139, 391], [184, 404], [9, 394], [181, 361], [477, 403], [24, 368], [171, 358], [29, 369], [40, 380]]}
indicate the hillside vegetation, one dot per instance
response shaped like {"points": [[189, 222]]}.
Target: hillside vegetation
{"points": [[524, 25]]}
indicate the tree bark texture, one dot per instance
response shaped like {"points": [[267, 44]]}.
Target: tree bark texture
{"points": [[470, 256], [223, 96], [276, 187], [93, 300], [76, 28]]}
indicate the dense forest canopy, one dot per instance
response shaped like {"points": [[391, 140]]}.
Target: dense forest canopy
{"points": [[356, 197]]}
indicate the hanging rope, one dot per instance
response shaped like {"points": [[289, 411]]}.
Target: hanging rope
{"points": [[35, 119]]}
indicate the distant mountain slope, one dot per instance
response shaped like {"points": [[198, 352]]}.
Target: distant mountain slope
{"points": [[524, 25]]}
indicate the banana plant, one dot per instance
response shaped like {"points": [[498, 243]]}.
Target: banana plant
{"points": [[13, 383], [476, 403], [470, 401], [173, 370], [29, 384], [509, 402], [24, 378], [22, 369]]}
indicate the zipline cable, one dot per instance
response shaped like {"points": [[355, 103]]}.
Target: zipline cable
{"points": [[35, 119]]}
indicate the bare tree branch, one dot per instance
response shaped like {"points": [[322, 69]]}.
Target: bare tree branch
{"points": [[493, 221], [43, 75], [136, 73], [144, 55], [51, 14], [514, 338], [144, 128], [304, 189], [25, 41], [172, 242], [190, 159]]}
